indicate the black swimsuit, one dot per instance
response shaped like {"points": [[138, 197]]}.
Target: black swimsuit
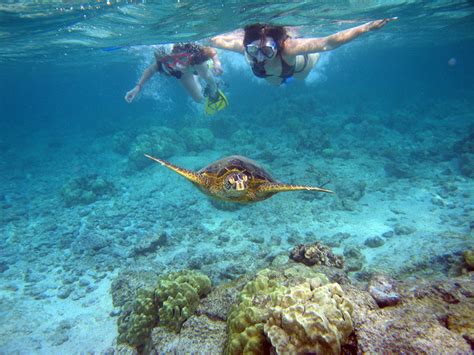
{"points": [[168, 71], [287, 71]]}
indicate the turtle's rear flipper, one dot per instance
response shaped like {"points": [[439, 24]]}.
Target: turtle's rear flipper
{"points": [[188, 174], [275, 187]]}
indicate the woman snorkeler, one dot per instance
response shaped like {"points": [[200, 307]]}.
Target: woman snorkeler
{"points": [[187, 62], [275, 56]]}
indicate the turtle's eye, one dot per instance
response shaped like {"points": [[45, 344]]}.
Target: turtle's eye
{"points": [[245, 178]]}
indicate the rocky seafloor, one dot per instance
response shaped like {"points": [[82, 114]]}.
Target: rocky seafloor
{"points": [[79, 212], [295, 308]]}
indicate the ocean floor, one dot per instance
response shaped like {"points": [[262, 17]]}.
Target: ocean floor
{"points": [[77, 210]]}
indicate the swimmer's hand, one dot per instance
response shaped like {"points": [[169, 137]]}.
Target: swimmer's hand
{"points": [[375, 25], [130, 96], [217, 70]]}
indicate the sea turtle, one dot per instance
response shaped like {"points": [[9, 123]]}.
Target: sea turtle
{"points": [[235, 179]]}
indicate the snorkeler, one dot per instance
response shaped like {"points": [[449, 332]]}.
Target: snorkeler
{"points": [[187, 62], [275, 56]]}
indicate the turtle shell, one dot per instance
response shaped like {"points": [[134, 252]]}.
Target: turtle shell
{"points": [[221, 167]]}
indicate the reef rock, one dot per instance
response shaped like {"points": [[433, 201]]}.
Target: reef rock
{"points": [[434, 316], [382, 289], [294, 308], [85, 190], [316, 254], [162, 142], [469, 259], [198, 139], [198, 335]]}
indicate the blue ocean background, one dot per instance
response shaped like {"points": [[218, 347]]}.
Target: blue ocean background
{"points": [[386, 121]]}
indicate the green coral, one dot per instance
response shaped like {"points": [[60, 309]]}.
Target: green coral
{"points": [[177, 297], [258, 321], [469, 258], [246, 319], [174, 299], [134, 327]]}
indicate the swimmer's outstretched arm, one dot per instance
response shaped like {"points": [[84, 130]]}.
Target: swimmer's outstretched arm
{"points": [[313, 45], [147, 74], [233, 41]]}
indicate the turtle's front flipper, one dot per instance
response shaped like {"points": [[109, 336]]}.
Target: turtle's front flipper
{"points": [[188, 174], [275, 187]]}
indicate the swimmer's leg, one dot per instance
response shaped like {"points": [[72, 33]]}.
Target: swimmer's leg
{"points": [[192, 86], [205, 73]]}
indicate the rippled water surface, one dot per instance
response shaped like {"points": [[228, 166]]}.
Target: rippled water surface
{"points": [[46, 29]]}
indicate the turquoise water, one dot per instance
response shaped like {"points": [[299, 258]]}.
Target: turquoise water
{"points": [[385, 121]]}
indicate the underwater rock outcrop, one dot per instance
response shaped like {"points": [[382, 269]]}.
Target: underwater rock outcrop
{"points": [[383, 291], [316, 254], [433, 316], [465, 150], [85, 190], [354, 258], [293, 308]]}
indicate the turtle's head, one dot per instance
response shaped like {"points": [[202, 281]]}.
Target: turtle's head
{"points": [[236, 183]]}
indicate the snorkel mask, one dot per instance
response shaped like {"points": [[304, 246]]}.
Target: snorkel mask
{"points": [[177, 61], [261, 50]]}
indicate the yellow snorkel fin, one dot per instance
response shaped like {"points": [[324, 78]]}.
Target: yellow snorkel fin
{"points": [[216, 104]]}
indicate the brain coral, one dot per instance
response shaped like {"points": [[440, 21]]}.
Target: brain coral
{"points": [[310, 318], [272, 311]]}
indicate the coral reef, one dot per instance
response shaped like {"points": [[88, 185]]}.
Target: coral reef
{"points": [[198, 335], [85, 190], [177, 296], [469, 259], [135, 325], [198, 139], [316, 254], [279, 310], [174, 299], [465, 150], [274, 307], [121, 141], [310, 318], [162, 142], [247, 317]]}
